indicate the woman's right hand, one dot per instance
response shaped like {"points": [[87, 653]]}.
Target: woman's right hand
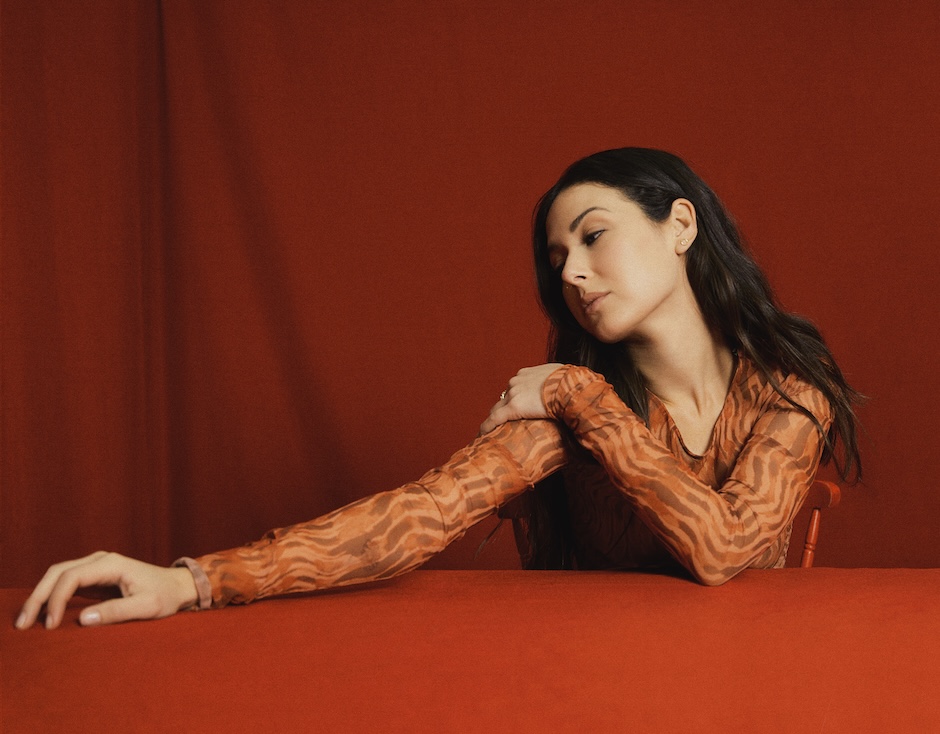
{"points": [[147, 591]]}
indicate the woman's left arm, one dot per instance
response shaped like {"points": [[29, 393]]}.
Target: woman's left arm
{"points": [[714, 533]]}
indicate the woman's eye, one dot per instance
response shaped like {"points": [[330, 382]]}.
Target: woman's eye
{"points": [[591, 237]]}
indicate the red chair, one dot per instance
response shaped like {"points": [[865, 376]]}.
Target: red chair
{"points": [[822, 495]]}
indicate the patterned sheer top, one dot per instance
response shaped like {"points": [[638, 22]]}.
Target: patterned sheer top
{"points": [[638, 498]]}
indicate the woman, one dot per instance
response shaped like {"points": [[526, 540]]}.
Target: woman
{"points": [[683, 420]]}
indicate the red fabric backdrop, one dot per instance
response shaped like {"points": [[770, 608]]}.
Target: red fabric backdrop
{"points": [[259, 260]]}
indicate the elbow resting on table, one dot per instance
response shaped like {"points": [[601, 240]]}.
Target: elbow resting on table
{"points": [[716, 579], [712, 575]]}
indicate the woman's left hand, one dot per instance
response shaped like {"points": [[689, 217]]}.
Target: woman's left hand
{"points": [[522, 399]]}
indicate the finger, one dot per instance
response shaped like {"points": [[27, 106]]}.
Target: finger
{"points": [[498, 415], [139, 606], [99, 572], [33, 605], [488, 425]]}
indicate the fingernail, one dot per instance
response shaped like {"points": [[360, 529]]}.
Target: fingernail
{"points": [[49, 622], [91, 617], [21, 621]]}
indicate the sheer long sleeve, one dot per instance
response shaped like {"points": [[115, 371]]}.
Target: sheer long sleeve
{"points": [[713, 532], [389, 533]]}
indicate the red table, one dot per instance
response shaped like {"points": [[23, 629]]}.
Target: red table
{"points": [[825, 650]]}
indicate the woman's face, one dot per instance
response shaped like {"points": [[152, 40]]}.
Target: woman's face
{"points": [[623, 275]]}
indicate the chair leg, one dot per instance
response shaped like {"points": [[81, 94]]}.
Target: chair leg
{"points": [[812, 537]]}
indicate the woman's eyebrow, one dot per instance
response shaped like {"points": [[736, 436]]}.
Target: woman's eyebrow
{"points": [[582, 215]]}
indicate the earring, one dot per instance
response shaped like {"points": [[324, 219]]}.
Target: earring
{"points": [[684, 243]]}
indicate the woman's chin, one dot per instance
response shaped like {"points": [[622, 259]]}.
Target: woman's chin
{"points": [[603, 332], [606, 337]]}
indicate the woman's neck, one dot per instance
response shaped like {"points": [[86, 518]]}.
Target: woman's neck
{"points": [[690, 371], [688, 368]]}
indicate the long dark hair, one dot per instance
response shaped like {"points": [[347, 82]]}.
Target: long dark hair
{"points": [[735, 299]]}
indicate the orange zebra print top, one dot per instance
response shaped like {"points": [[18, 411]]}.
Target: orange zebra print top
{"points": [[638, 497]]}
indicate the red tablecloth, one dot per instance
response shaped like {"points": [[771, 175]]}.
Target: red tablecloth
{"points": [[825, 650]]}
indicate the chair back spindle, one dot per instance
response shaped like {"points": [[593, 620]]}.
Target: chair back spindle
{"points": [[822, 495]]}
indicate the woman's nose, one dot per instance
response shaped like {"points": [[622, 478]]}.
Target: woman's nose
{"points": [[575, 269]]}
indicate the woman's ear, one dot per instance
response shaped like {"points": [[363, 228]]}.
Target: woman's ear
{"points": [[683, 224]]}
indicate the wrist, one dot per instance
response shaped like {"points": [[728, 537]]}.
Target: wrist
{"points": [[187, 595], [554, 406], [199, 580]]}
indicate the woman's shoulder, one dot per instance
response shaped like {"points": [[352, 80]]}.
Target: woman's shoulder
{"points": [[758, 390]]}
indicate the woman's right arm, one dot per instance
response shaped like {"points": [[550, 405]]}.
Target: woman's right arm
{"points": [[377, 537], [390, 533]]}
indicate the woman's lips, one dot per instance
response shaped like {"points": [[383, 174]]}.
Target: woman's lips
{"points": [[591, 302]]}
